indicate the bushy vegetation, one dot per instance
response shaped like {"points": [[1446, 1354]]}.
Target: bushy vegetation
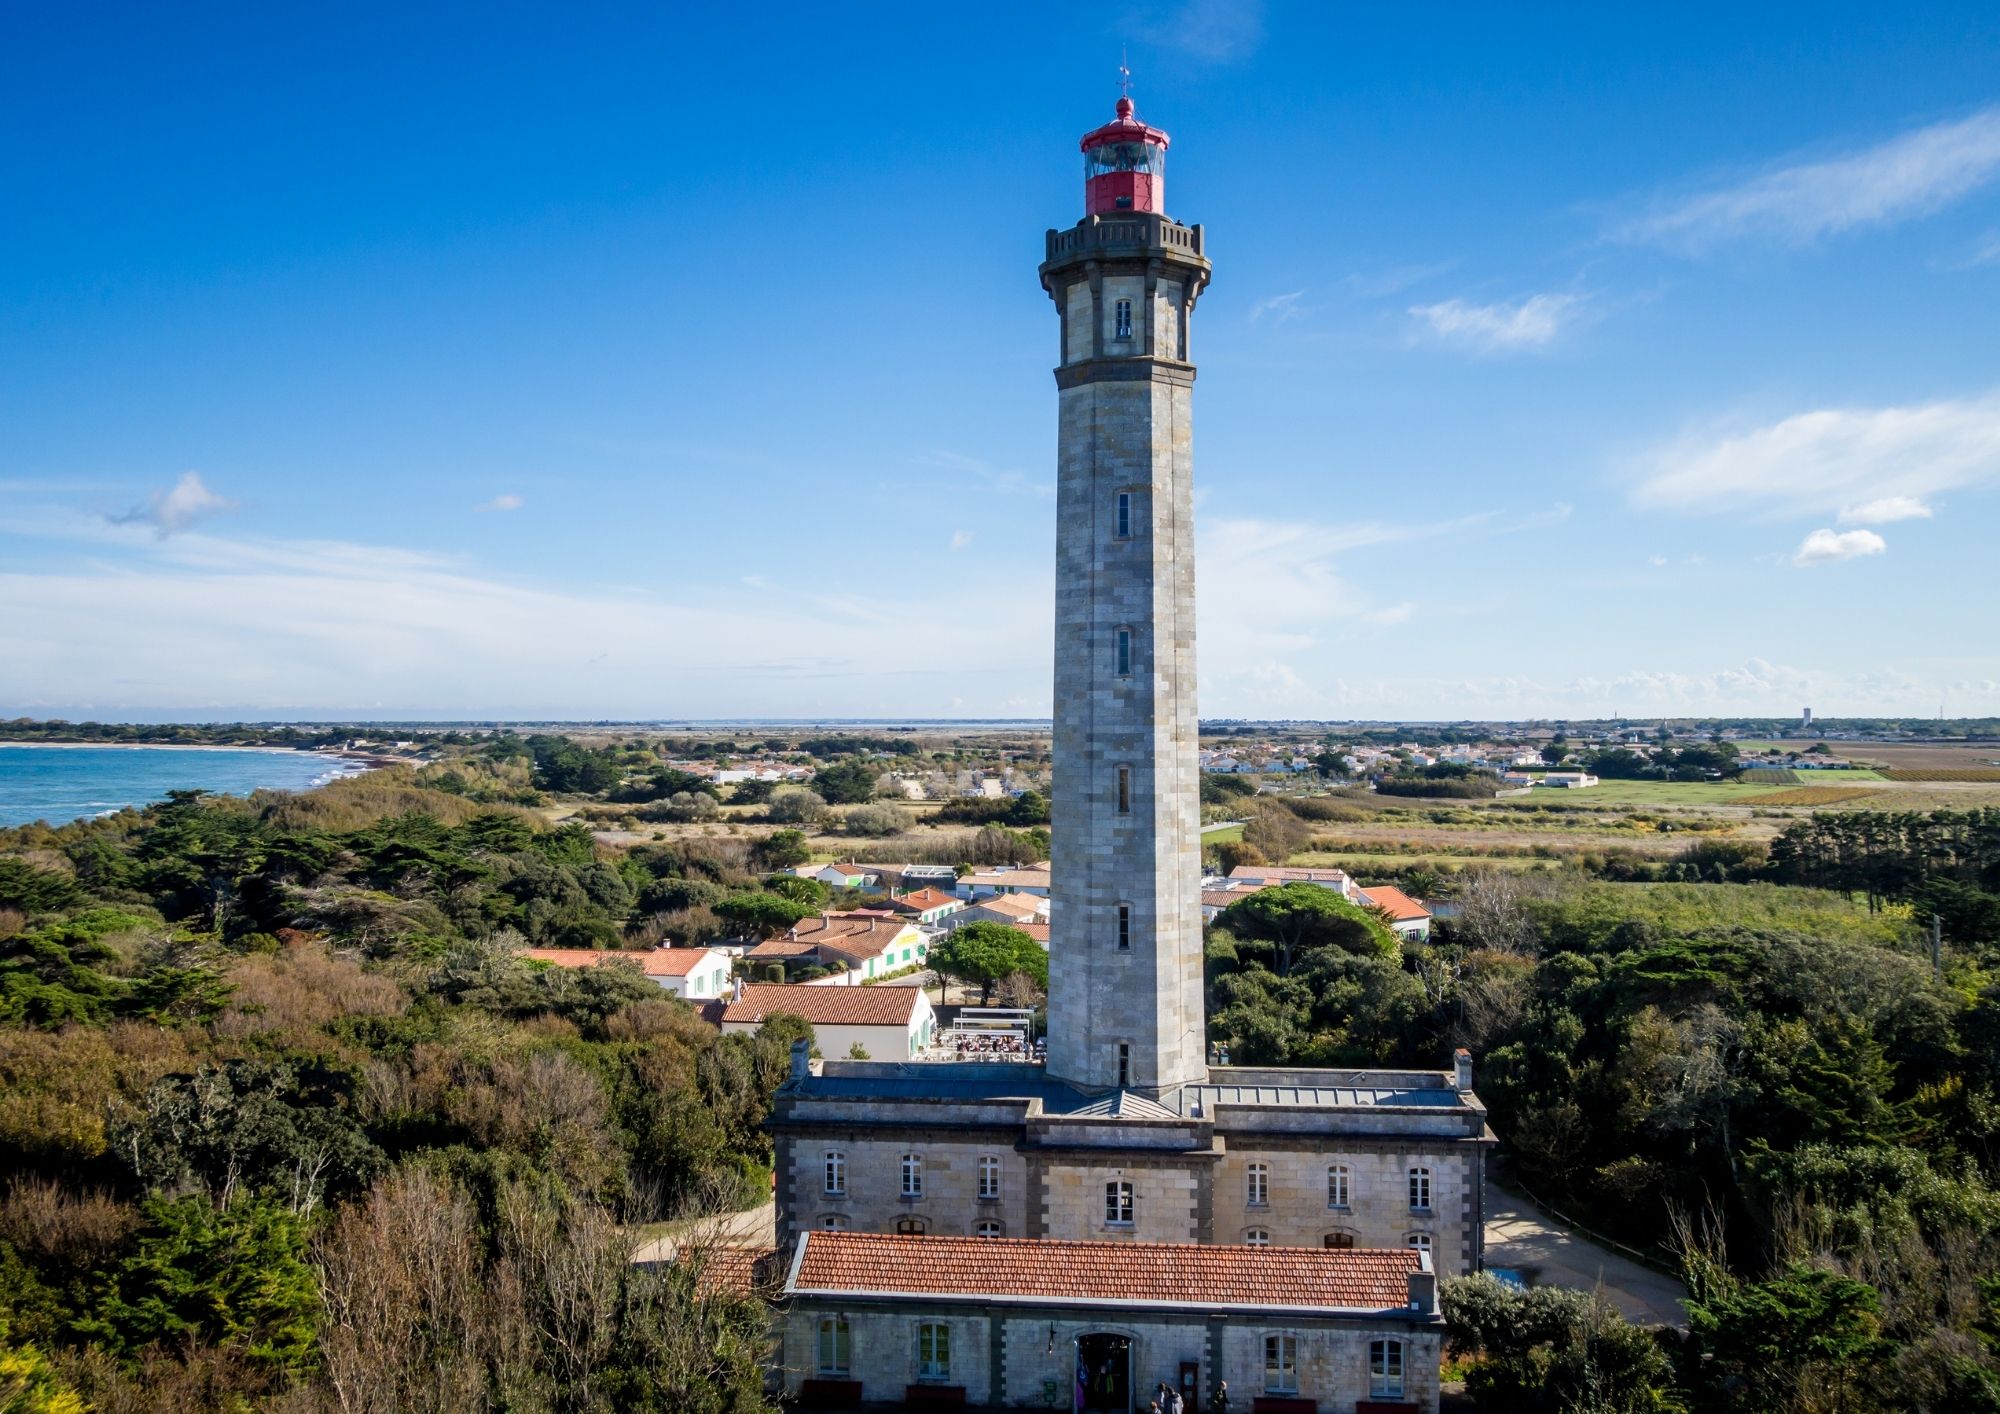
{"points": [[285, 1122]]}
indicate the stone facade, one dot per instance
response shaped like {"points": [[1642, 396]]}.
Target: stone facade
{"points": [[1012, 1358], [1125, 932]]}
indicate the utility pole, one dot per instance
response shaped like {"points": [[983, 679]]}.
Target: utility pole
{"points": [[1937, 945]]}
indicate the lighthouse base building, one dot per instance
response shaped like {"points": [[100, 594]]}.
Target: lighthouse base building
{"points": [[1072, 1235]]}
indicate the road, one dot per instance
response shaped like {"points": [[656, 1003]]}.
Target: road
{"points": [[1522, 1237]]}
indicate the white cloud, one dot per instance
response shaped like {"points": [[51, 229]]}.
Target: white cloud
{"points": [[1531, 323], [1279, 307], [1657, 561], [1825, 546], [1886, 511], [1910, 175], [960, 539], [1219, 31], [507, 501], [188, 501], [1826, 461]]}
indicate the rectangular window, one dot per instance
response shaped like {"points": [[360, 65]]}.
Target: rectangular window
{"points": [[1420, 1190], [1420, 1241], [833, 1222], [1124, 1065], [1124, 319], [1124, 515], [836, 1346], [989, 1176], [1258, 1237], [1281, 1364], [1259, 1187], [1118, 1204], [1124, 927], [1385, 1369], [1124, 652], [836, 1173], [913, 1175], [933, 1351], [1124, 790], [1336, 1186]]}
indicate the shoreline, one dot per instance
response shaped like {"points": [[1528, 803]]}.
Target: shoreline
{"points": [[312, 752]]}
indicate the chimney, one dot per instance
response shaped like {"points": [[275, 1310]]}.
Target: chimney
{"points": [[801, 1059], [1461, 1060], [1424, 1292], [736, 990]]}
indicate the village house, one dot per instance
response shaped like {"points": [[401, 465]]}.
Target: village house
{"points": [[695, 974], [884, 1023], [1015, 910], [924, 906], [840, 876], [868, 943], [977, 886]]}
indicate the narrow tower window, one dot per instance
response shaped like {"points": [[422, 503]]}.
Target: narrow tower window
{"points": [[1124, 317], [1124, 652], [1124, 927], [989, 1176], [1124, 1065], [1124, 515], [1124, 790], [913, 1175], [1258, 1190]]}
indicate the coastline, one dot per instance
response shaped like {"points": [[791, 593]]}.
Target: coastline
{"points": [[369, 762]]}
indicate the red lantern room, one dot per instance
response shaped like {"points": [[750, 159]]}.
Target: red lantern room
{"points": [[1124, 166]]}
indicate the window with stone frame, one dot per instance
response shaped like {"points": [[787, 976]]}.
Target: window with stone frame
{"points": [[833, 1222], [836, 1346], [1338, 1240], [1124, 515], [913, 1175], [1124, 927], [1281, 1364], [1385, 1369], [989, 1176], [1338, 1185], [933, 1351], [988, 1228], [836, 1173], [1118, 1207], [1421, 1241], [1122, 319], [1124, 1064], [1257, 1186], [1124, 790], [1258, 1237], [1123, 656], [1420, 1190], [910, 1227]]}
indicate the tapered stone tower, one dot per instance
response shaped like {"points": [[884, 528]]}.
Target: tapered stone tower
{"points": [[1125, 984]]}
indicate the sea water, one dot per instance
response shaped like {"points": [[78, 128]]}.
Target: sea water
{"points": [[63, 783]]}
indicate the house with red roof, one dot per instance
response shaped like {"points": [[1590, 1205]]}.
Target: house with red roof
{"points": [[695, 974], [886, 1023], [1407, 917]]}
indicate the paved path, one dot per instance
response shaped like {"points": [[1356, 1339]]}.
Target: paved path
{"points": [[1522, 1237], [753, 1227]]}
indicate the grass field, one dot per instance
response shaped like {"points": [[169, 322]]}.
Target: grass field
{"points": [[1667, 793], [1980, 774], [1819, 795]]}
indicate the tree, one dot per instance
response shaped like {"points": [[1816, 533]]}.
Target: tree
{"points": [[797, 888], [876, 821], [762, 914], [795, 805], [1806, 1339], [981, 954], [847, 782], [1548, 1351], [781, 849], [1294, 918]]}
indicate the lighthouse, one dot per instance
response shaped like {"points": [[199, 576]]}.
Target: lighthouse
{"points": [[1125, 958]]}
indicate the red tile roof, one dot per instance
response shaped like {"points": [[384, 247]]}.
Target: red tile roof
{"points": [[827, 1006], [1287, 875], [735, 1271], [922, 900], [1394, 902], [1201, 1275], [1013, 905], [1038, 931], [1222, 898], [654, 962]]}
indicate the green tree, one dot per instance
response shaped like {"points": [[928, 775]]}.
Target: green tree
{"points": [[847, 782], [1806, 1339], [782, 849], [764, 915], [1294, 918], [981, 954], [235, 1277]]}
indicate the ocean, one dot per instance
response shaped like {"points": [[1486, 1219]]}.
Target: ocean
{"points": [[63, 783]]}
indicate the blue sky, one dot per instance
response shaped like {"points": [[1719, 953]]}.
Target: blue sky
{"points": [[598, 361]]}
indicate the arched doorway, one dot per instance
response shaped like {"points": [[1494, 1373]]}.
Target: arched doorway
{"points": [[1104, 1373]]}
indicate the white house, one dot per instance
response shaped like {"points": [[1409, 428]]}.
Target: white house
{"points": [[843, 876], [889, 1023], [1004, 881], [696, 974], [1407, 917]]}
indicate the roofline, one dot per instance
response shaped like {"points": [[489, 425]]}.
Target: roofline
{"points": [[1377, 1313]]}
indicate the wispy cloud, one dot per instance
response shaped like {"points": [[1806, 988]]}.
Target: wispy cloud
{"points": [[1218, 31], [1907, 176], [1886, 511], [1004, 480], [1277, 308], [506, 501], [1380, 284], [1825, 546], [187, 501], [960, 539], [1531, 323], [1830, 460]]}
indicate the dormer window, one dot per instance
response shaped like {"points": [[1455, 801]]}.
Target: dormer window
{"points": [[1123, 319]]}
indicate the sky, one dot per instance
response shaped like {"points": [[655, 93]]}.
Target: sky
{"points": [[635, 362]]}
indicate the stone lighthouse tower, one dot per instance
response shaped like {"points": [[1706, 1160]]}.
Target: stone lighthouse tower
{"points": [[1125, 984]]}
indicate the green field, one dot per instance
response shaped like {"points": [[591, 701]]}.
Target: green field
{"points": [[1665, 792]]}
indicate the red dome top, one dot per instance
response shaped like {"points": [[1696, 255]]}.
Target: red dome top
{"points": [[1123, 128]]}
